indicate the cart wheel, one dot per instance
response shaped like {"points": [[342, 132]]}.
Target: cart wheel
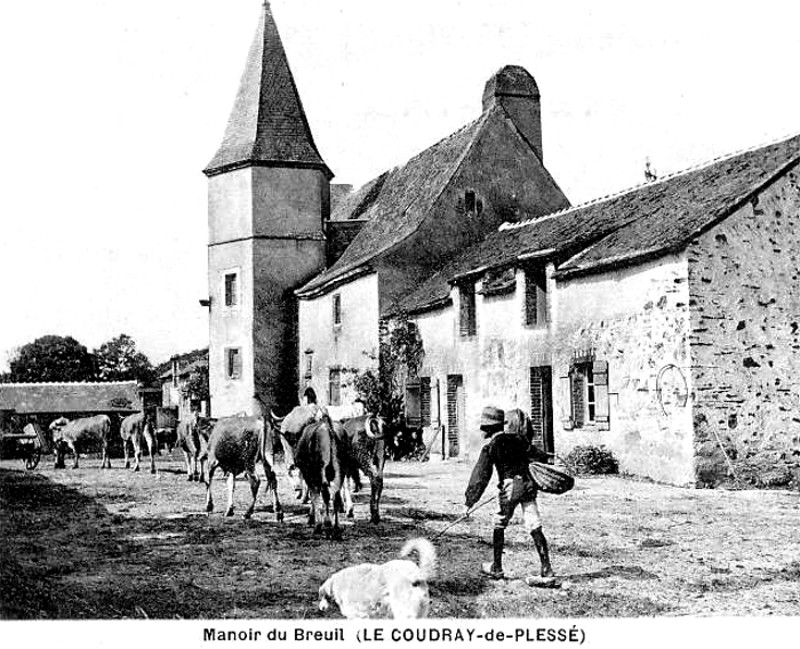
{"points": [[32, 461]]}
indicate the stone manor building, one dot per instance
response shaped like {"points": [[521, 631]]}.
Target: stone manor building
{"points": [[661, 322]]}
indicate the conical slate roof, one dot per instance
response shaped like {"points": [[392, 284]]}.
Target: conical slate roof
{"points": [[267, 125]]}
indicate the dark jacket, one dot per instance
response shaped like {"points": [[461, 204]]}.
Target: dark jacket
{"points": [[510, 454]]}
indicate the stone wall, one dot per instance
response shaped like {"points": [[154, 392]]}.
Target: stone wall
{"points": [[637, 321], [744, 284]]}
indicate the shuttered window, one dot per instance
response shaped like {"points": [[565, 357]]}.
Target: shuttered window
{"points": [[588, 392], [335, 387], [535, 297], [468, 325]]}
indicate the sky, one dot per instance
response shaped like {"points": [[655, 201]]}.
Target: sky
{"points": [[111, 110]]}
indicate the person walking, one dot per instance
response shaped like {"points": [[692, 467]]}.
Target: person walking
{"points": [[509, 451]]}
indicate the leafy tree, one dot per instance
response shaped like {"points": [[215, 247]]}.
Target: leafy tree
{"points": [[196, 386], [119, 360], [52, 358]]}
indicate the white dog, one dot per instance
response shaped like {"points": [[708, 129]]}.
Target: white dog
{"points": [[396, 589]]}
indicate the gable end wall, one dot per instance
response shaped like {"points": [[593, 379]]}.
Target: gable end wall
{"points": [[744, 277]]}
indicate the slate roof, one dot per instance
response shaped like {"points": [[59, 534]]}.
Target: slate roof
{"points": [[396, 203], [267, 124], [63, 398], [646, 221]]}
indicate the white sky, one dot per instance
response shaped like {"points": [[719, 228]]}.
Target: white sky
{"points": [[110, 110]]}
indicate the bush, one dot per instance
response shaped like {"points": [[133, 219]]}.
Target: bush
{"points": [[591, 460]]}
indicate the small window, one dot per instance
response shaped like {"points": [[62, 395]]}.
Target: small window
{"points": [[231, 289], [233, 363], [337, 309], [469, 201], [468, 325], [309, 363], [335, 387], [535, 297]]}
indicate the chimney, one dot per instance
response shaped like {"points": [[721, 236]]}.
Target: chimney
{"points": [[515, 91]]}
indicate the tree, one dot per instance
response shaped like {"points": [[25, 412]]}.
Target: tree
{"points": [[196, 386], [119, 360], [52, 358]]}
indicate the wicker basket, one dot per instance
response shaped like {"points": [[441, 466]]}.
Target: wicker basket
{"points": [[551, 480]]}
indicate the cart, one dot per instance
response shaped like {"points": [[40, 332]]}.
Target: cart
{"points": [[26, 446]]}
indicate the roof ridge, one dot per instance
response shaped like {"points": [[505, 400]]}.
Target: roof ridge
{"points": [[513, 225], [30, 383]]}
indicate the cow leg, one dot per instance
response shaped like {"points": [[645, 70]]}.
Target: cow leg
{"points": [[231, 481], [376, 489], [188, 459], [316, 507], [212, 466], [151, 448], [252, 478], [336, 533], [272, 485], [106, 462], [202, 462], [137, 451], [125, 451], [74, 454], [347, 499]]}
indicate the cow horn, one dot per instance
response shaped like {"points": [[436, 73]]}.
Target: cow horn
{"points": [[275, 418], [368, 426]]}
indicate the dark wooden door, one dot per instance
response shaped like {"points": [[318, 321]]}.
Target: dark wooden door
{"points": [[541, 385]]}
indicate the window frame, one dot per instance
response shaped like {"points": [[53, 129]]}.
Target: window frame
{"points": [[231, 373], [337, 372], [536, 311], [468, 310]]}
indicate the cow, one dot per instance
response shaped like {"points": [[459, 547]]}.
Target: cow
{"points": [[363, 445], [81, 433], [320, 457], [192, 439], [365, 448], [136, 429], [235, 445]]}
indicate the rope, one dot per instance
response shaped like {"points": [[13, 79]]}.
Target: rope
{"points": [[727, 458], [465, 516]]}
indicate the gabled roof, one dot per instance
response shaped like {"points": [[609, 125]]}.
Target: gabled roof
{"points": [[396, 203], [267, 125], [648, 220], [63, 398]]}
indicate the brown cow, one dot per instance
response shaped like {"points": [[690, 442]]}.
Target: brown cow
{"points": [[137, 428], [85, 433], [235, 445]]}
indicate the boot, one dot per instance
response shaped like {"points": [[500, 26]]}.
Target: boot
{"points": [[495, 569], [544, 556]]}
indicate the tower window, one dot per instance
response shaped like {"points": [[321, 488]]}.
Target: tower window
{"points": [[309, 363], [469, 200], [231, 289], [233, 363], [335, 387], [337, 309]]}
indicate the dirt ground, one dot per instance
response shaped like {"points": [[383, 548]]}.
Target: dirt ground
{"points": [[91, 544]]}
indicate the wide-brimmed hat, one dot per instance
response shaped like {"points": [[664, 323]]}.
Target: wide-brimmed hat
{"points": [[492, 420]]}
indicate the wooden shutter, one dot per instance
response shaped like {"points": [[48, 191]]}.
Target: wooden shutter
{"points": [[602, 409], [425, 400], [535, 297], [413, 409], [565, 397], [578, 401]]}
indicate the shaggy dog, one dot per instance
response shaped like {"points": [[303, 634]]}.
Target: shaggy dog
{"points": [[396, 589]]}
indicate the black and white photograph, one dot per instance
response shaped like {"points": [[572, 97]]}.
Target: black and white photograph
{"points": [[405, 323]]}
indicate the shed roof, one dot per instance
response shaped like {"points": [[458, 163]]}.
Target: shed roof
{"points": [[267, 124], [63, 398], [645, 221]]}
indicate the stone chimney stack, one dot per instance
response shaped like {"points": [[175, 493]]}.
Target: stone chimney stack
{"points": [[515, 91]]}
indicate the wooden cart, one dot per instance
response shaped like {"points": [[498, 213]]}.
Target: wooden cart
{"points": [[27, 446]]}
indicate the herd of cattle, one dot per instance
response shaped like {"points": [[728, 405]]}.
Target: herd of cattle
{"points": [[324, 458]]}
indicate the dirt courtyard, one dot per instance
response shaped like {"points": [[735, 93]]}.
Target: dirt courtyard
{"points": [[86, 544]]}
